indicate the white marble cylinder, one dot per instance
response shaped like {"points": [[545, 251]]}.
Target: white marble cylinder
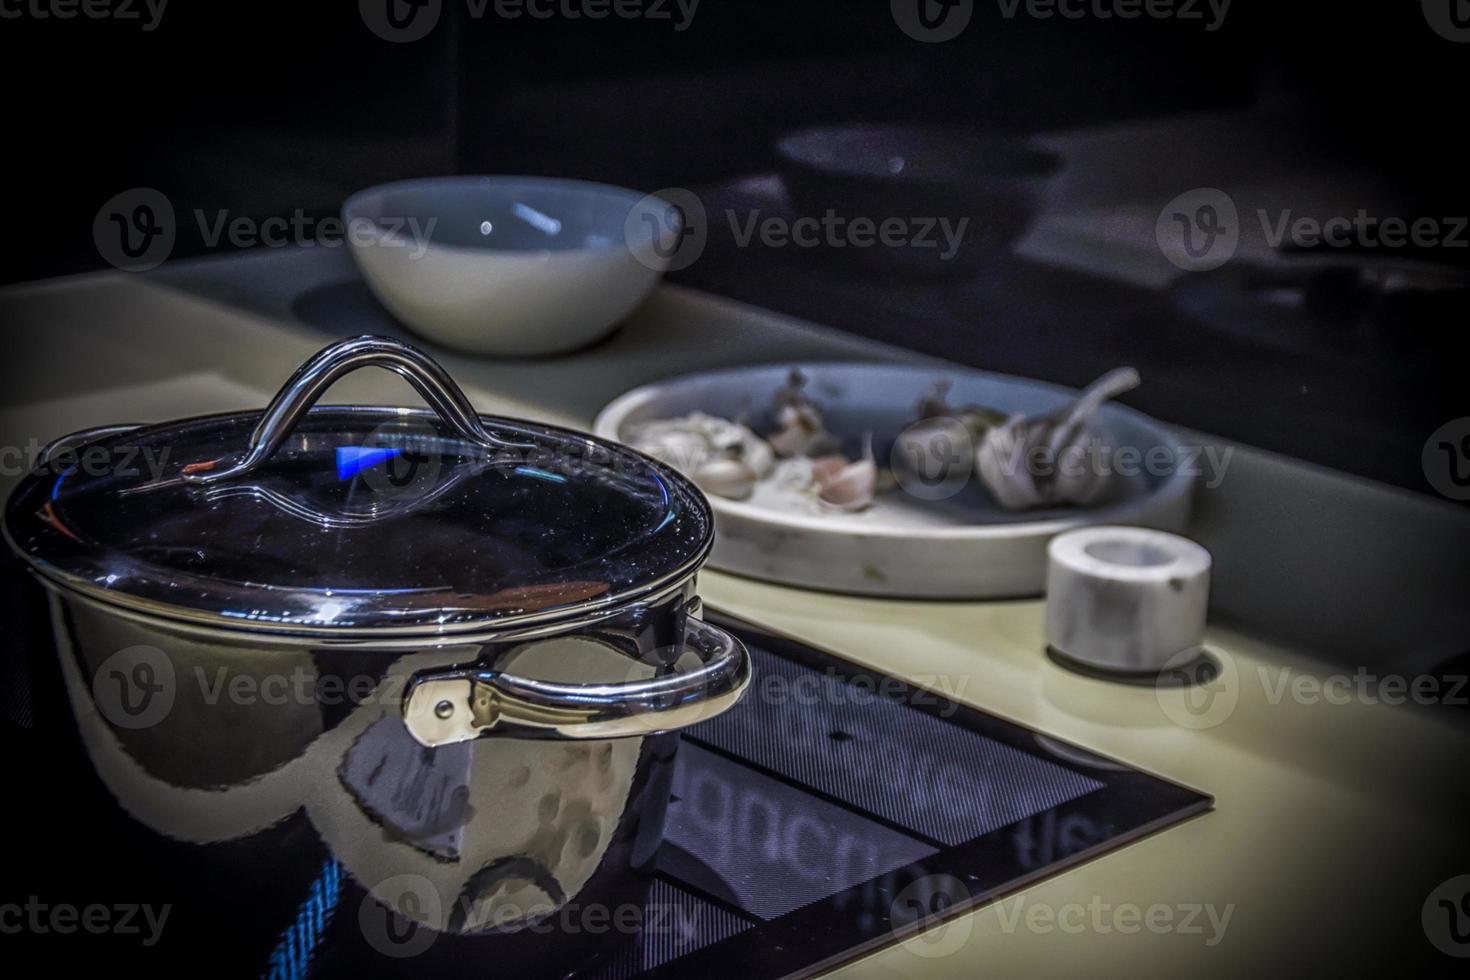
{"points": [[1125, 599]]}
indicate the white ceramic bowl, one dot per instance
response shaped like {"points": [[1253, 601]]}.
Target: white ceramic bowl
{"points": [[508, 265], [963, 547]]}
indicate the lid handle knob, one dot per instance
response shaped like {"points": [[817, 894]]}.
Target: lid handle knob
{"points": [[318, 374]]}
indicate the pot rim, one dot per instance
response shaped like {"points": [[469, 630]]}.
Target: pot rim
{"points": [[576, 618]]}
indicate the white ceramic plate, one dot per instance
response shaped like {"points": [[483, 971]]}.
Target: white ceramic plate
{"points": [[961, 547]]}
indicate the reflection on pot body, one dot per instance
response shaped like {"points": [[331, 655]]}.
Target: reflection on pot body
{"points": [[503, 832]]}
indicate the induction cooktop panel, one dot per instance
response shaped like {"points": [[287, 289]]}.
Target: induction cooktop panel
{"points": [[836, 810]]}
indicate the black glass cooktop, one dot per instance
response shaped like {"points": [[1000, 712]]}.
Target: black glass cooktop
{"points": [[841, 811], [833, 812]]}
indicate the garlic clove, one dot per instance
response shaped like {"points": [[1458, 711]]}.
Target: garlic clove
{"points": [[793, 392], [826, 468], [732, 479], [852, 487], [1078, 481], [801, 429], [788, 443], [758, 455], [935, 402], [1003, 465]]}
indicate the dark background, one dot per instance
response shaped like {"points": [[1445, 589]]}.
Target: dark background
{"points": [[266, 108]]}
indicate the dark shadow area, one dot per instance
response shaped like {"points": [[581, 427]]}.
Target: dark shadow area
{"points": [[1343, 355]]}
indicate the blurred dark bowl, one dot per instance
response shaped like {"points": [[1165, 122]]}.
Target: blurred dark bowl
{"points": [[995, 182]]}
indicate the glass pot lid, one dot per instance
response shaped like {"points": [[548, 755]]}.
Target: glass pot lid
{"points": [[358, 520]]}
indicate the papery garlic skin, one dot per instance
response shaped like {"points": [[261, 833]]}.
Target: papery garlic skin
{"points": [[683, 450], [793, 475]]}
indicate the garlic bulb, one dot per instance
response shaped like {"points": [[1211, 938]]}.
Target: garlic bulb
{"points": [[1060, 446], [689, 442], [683, 449]]}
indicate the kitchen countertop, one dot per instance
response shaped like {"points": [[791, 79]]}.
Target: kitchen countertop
{"points": [[1333, 821]]}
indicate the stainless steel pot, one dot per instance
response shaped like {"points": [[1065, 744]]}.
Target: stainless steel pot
{"points": [[457, 645]]}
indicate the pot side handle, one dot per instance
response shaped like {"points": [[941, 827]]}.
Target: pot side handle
{"points": [[444, 707]]}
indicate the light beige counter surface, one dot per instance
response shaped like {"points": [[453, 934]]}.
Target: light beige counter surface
{"points": [[1332, 820]]}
